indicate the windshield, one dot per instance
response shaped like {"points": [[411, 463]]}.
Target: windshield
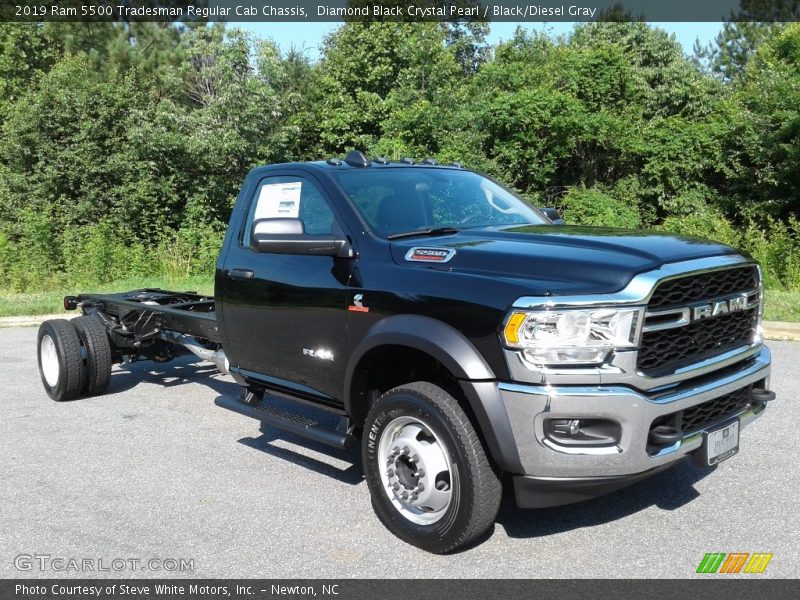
{"points": [[402, 200]]}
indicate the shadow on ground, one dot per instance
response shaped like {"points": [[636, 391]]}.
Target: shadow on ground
{"points": [[353, 474], [179, 371], [668, 490]]}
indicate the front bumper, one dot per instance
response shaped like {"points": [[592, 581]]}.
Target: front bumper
{"points": [[542, 492], [545, 462]]}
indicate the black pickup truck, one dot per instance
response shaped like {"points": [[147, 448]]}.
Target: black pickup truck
{"points": [[464, 338]]}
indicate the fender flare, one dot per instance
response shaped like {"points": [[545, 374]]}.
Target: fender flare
{"points": [[460, 357]]}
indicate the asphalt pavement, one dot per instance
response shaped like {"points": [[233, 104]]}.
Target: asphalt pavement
{"points": [[154, 480]]}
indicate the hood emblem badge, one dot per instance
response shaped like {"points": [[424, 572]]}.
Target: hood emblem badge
{"points": [[430, 254], [358, 304]]}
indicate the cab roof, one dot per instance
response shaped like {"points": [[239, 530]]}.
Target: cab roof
{"points": [[356, 159]]}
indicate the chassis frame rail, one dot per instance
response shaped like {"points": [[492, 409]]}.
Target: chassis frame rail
{"points": [[150, 311]]}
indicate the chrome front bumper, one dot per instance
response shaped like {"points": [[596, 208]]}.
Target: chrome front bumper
{"points": [[528, 406]]}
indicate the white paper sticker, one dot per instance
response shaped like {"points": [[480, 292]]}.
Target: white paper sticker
{"points": [[278, 200]]}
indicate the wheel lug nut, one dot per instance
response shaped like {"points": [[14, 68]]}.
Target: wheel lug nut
{"points": [[420, 487], [390, 473], [421, 473], [396, 487], [406, 450]]}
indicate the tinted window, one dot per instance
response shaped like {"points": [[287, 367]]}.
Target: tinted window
{"points": [[292, 197], [395, 200]]}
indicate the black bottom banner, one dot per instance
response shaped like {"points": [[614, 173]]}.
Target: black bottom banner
{"points": [[733, 588]]}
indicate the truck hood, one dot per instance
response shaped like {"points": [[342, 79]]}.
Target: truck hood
{"points": [[550, 259]]}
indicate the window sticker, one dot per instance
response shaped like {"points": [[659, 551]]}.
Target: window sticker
{"points": [[279, 200]]}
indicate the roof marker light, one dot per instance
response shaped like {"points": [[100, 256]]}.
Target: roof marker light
{"points": [[356, 158]]}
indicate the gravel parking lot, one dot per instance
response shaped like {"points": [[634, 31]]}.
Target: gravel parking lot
{"points": [[154, 470]]}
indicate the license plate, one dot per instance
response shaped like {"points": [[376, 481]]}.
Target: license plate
{"points": [[721, 443]]}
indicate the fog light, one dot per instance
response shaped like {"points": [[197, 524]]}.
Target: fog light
{"points": [[566, 426], [583, 432]]}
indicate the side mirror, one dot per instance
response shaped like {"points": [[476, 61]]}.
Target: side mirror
{"points": [[288, 236], [552, 214]]}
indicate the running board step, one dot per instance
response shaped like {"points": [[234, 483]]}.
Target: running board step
{"points": [[289, 421]]}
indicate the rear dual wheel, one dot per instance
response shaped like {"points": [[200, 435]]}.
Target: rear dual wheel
{"points": [[97, 363], [74, 358]]}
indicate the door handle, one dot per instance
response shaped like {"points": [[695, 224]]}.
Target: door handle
{"points": [[240, 274]]}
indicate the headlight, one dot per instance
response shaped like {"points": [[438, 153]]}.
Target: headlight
{"points": [[571, 336]]}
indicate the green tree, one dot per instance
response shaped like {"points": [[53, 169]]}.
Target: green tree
{"points": [[371, 70], [26, 54], [770, 89], [733, 47]]}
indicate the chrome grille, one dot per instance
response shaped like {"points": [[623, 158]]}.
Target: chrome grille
{"points": [[705, 286], [664, 351]]}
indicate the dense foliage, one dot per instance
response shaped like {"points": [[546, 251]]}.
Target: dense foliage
{"points": [[122, 147]]}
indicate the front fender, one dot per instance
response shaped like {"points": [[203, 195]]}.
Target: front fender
{"points": [[460, 357]]}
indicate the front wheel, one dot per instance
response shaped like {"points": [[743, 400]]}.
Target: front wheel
{"points": [[428, 474]]}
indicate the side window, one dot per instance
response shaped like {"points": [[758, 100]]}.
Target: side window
{"points": [[290, 197], [314, 211]]}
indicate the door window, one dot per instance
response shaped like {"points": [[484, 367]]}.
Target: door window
{"points": [[291, 197]]}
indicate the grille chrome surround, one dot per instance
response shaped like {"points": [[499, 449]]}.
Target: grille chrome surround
{"points": [[665, 348], [668, 318]]}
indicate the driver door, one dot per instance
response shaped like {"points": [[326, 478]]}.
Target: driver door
{"points": [[285, 314]]}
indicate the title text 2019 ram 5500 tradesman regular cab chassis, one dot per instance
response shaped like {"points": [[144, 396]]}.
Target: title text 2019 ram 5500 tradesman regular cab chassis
{"points": [[461, 335]]}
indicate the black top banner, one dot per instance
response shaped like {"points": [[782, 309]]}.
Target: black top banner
{"points": [[399, 10]]}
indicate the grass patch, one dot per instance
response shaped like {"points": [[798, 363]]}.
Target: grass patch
{"points": [[14, 304], [782, 306]]}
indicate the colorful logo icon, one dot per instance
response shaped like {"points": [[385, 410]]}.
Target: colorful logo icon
{"points": [[734, 562]]}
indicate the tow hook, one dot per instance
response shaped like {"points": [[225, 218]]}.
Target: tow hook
{"points": [[662, 436], [760, 396]]}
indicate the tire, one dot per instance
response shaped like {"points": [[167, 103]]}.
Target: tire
{"points": [[98, 358], [60, 363], [419, 426]]}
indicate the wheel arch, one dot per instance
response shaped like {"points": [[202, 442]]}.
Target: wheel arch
{"points": [[443, 345]]}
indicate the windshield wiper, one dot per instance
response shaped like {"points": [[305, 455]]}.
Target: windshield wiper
{"points": [[429, 231]]}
